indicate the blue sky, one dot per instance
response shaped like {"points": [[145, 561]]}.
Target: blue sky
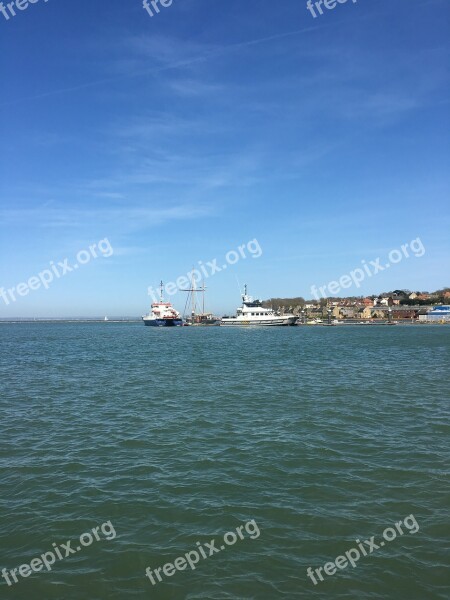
{"points": [[181, 136]]}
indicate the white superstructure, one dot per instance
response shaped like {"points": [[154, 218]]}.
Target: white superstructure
{"points": [[439, 313], [252, 312], [162, 314]]}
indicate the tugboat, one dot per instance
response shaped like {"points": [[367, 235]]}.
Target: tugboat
{"points": [[162, 314], [252, 313]]}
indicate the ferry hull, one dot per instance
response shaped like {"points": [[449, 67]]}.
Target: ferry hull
{"points": [[280, 322], [163, 322]]}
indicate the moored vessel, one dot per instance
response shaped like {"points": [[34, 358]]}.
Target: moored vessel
{"points": [[253, 313], [162, 314], [195, 317], [439, 313]]}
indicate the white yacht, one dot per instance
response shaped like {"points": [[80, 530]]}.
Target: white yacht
{"points": [[252, 313]]}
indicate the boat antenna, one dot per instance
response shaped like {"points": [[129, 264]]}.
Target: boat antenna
{"points": [[239, 285], [161, 285]]}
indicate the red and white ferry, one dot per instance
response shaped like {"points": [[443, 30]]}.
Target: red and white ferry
{"points": [[162, 314]]}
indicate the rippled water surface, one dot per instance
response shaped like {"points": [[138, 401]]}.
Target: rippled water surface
{"points": [[177, 436]]}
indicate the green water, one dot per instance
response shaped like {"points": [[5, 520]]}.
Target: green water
{"points": [[176, 436]]}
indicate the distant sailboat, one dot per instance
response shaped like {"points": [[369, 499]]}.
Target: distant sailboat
{"points": [[106, 319], [197, 318]]}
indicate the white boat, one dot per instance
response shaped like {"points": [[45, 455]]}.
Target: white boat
{"points": [[162, 314], [315, 322], [253, 313]]}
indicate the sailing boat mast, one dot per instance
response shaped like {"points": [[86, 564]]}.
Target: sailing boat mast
{"points": [[203, 299], [191, 290]]}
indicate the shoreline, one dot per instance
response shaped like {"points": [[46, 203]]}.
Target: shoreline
{"points": [[378, 322]]}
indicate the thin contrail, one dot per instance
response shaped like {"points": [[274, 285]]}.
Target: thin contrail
{"points": [[183, 63], [173, 65]]}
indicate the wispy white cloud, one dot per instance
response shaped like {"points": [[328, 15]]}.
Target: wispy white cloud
{"points": [[107, 217], [193, 88], [166, 53]]}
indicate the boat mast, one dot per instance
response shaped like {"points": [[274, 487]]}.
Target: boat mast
{"points": [[161, 285], [203, 291], [193, 284], [192, 291]]}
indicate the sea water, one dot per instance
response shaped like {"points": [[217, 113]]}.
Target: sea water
{"points": [[319, 436]]}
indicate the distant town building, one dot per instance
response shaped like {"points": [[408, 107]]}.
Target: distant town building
{"points": [[383, 300], [407, 312]]}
